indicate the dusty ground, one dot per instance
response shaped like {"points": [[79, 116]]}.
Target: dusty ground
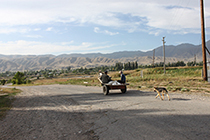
{"points": [[79, 112]]}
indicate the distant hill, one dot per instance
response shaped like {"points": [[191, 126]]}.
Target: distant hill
{"points": [[183, 52]]}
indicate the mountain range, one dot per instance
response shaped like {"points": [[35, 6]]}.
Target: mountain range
{"points": [[183, 52]]}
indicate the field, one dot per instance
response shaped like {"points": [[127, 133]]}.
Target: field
{"points": [[183, 79]]}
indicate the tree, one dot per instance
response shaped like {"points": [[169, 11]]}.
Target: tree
{"points": [[132, 65], [136, 64], [68, 68], [19, 78], [129, 65], [118, 66]]}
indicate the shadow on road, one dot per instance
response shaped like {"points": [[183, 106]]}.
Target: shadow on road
{"points": [[181, 99], [130, 93], [127, 124]]}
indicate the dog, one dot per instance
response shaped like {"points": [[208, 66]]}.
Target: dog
{"points": [[161, 90]]}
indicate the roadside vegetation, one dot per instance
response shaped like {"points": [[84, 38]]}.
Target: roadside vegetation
{"points": [[179, 76], [6, 99], [179, 79]]}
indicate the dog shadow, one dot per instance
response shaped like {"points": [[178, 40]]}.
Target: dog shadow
{"points": [[180, 99]]}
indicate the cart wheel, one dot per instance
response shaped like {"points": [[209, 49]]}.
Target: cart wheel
{"points": [[124, 90], [105, 90]]}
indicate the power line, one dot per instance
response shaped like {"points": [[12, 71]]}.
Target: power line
{"points": [[175, 14], [182, 13], [206, 24], [176, 18]]}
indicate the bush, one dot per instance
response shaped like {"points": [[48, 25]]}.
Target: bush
{"points": [[3, 81], [9, 81]]}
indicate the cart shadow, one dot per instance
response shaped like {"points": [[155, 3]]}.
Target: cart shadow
{"points": [[132, 93]]}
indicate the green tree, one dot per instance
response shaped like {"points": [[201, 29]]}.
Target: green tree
{"points": [[19, 78], [68, 68], [136, 64]]}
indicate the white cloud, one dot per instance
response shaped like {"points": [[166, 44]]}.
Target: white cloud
{"points": [[36, 48], [67, 43], [97, 30], [37, 29], [49, 29], [111, 33], [147, 50], [34, 36], [173, 15], [156, 33], [8, 30]]}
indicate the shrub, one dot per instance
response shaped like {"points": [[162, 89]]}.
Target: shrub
{"points": [[3, 81]]}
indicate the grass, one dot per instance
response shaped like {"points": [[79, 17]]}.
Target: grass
{"points": [[183, 79], [6, 99], [176, 79], [49, 81]]}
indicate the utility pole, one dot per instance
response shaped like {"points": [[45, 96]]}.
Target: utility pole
{"points": [[203, 42], [153, 58], [195, 60], [164, 55]]}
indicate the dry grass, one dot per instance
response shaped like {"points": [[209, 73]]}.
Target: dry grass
{"points": [[49, 81]]}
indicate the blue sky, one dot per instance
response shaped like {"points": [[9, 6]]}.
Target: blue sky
{"points": [[56, 27]]}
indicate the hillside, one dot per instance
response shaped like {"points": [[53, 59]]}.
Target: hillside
{"points": [[183, 52]]}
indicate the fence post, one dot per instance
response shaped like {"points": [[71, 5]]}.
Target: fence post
{"points": [[141, 73]]}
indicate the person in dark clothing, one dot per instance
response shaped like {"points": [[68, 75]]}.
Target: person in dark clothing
{"points": [[105, 78], [123, 79]]}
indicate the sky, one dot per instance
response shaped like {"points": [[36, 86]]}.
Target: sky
{"points": [[38, 27]]}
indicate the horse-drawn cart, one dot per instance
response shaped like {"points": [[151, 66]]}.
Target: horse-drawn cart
{"points": [[113, 86]]}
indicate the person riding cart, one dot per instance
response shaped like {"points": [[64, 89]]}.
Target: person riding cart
{"points": [[105, 78], [123, 79], [108, 84]]}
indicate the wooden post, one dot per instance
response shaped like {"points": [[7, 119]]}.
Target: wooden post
{"points": [[203, 42], [153, 58], [142, 74]]}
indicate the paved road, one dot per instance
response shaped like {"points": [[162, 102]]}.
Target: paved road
{"points": [[79, 112]]}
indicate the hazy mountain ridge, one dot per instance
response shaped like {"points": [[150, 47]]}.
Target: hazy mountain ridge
{"points": [[183, 52]]}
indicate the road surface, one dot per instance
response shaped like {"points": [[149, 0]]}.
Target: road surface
{"points": [[70, 112]]}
